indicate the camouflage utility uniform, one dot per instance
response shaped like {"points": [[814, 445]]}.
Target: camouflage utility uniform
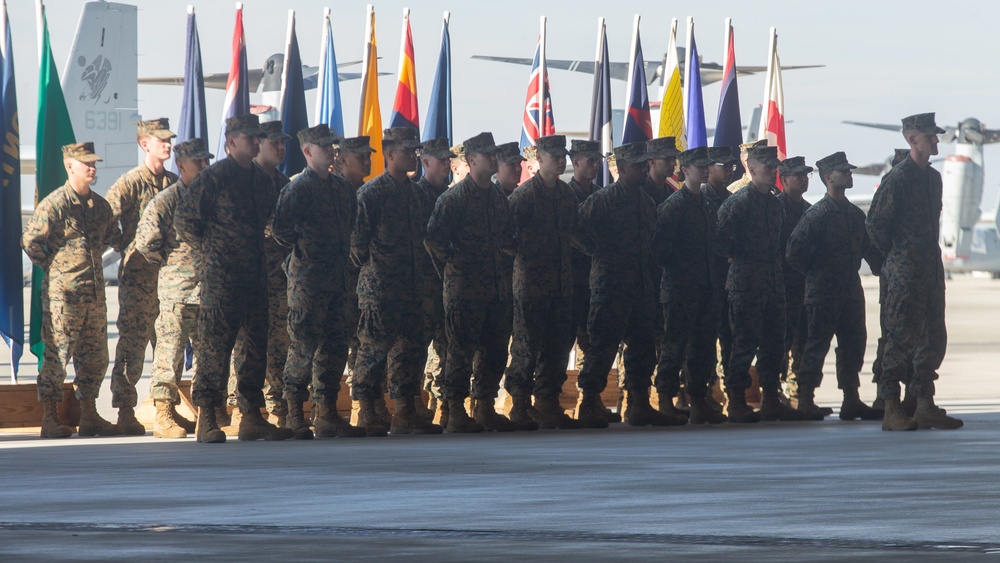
{"points": [[713, 200], [434, 331], [581, 276], [795, 287], [66, 237]]}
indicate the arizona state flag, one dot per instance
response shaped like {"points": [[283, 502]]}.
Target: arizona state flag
{"points": [[404, 106], [370, 120]]}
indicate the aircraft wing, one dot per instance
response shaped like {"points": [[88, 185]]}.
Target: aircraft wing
{"points": [[218, 80], [882, 126]]}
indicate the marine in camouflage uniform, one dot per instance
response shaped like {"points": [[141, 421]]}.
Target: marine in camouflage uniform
{"points": [[315, 216], [748, 233], [794, 174], [615, 228], [545, 213], [903, 222], [827, 247], [178, 288], [388, 245], [586, 158], [137, 298], [435, 158], [469, 232], [715, 193], [65, 237], [744, 180], [682, 246], [224, 212], [272, 154]]}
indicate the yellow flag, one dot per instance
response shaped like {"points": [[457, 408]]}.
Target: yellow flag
{"points": [[370, 122], [672, 105]]}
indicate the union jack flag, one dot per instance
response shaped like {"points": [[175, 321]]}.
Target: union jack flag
{"points": [[534, 126]]}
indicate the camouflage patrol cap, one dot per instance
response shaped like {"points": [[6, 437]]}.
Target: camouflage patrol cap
{"points": [[923, 122], [530, 152], [721, 155], [794, 165], [591, 149], [406, 138], [437, 148], [272, 130], [159, 128], [320, 135], [193, 149], [745, 147], [764, 154], [663, 147], [899, 156], [362, 145], [243, 124], [694, 157], [459, 151], [631, 152], [84, 152], [552, 144], [509, 153], [836, 161], [480, 144]]}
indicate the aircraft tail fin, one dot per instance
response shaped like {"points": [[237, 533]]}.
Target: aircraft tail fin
{"points": [[754, 125], [101, 86]]}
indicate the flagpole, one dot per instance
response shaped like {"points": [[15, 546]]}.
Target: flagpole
{"points": [[631, 61], [284, 67], [725, 43], [772, 45], [321, 74], [542, 110], [40, 21], [687, 67]]}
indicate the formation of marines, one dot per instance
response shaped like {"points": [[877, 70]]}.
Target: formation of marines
{"points": [[281, 285]]}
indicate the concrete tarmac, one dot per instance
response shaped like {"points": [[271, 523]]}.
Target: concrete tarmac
{"points": [[821, 491]]}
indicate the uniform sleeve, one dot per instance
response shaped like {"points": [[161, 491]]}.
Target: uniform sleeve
{"points": [[725, 229], [871, 254], [196, 204], [520, 210], [150, 236], [802, 242], [508, 241], [121, 203], [113, 237], [440, 230], [589, 218], [664, 233], [368, 214], [880, 222], [287, 216], [37, 237]]}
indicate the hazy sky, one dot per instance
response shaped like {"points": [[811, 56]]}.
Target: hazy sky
{"points": [[884, 60]]}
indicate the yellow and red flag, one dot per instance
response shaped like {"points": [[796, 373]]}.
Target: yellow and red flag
{"points": [[370, 120], [404, 106]]}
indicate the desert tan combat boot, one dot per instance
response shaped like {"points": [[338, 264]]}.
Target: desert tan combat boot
{"points": [[520, 413], [128, 423], [91, 423], [296, 422], [382, 412], [854, 408], [591, 411], [771, 407], [929, 415], [222, 416], [207, 429], [703, 413], [459, 420], [894, 418], [164, 425], [369, 419], [668, 408], [423, 411], [253, 427], [550, 414], [640, 413], [405, 419], [51, 427], [807, 403], [485, 413], [605, 411], [187, 425], [328, 423], [737, 410]]}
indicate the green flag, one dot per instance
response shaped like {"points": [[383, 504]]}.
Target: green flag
{"points": [[54, 130]]}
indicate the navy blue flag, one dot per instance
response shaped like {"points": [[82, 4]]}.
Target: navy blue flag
{"points": [[194, 123], [294, 116], [600, 111], [11, 272], [697, 135], [729, 126], [438, 123], [638, 127]]}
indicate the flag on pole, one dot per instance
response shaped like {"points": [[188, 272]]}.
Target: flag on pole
{"points": [[404, 106], [672, 104], [695, 106], [193, 123], [600, 112], [11, 272], [54, 130], [772, 123], [370, 121], [294, 116], [637, 121], [438, 122], [538, 120], [729, 126], [329, 109], [237, 90]]}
